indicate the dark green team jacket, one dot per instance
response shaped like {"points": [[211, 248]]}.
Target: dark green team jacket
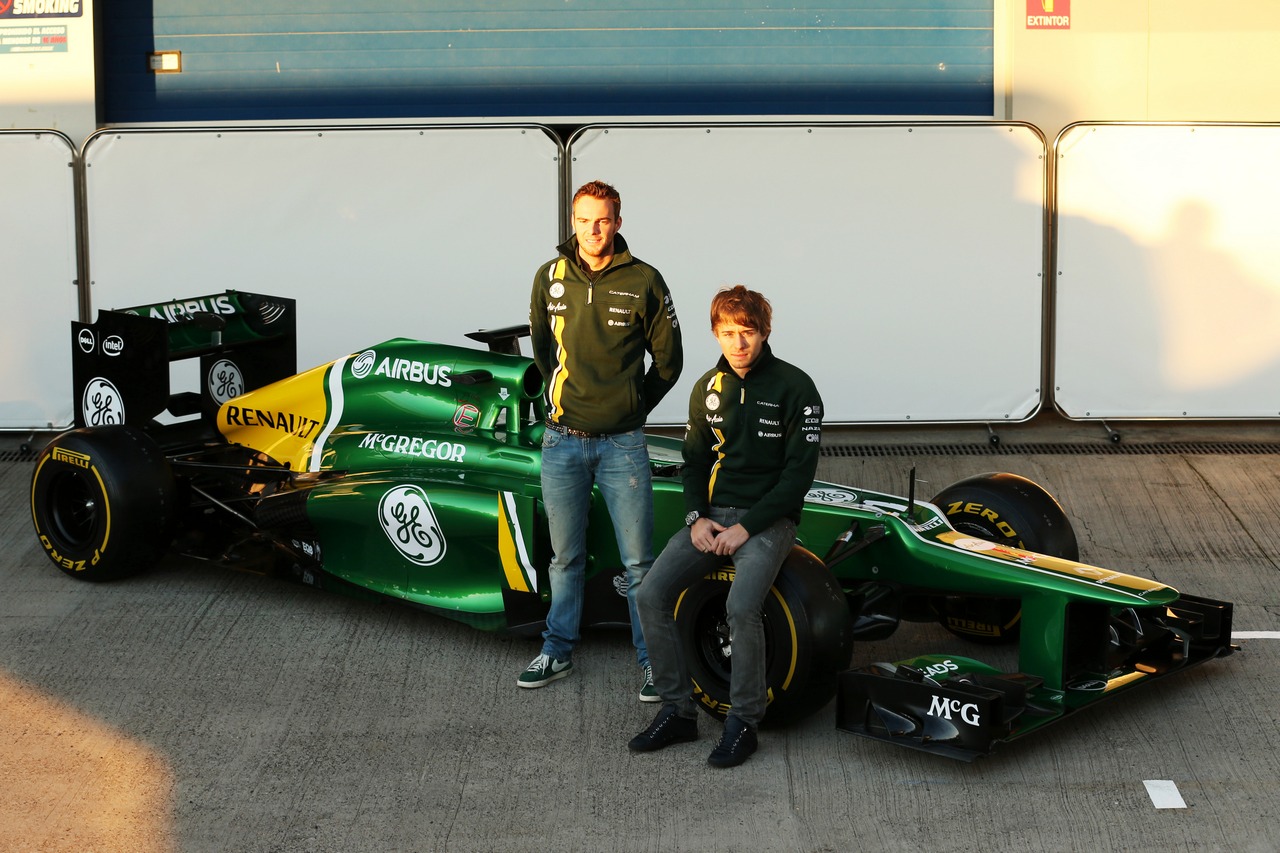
{"points": [[752, 442], [590, 337]]}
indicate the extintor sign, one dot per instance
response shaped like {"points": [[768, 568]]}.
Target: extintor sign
{"points": [[1048, 14]]}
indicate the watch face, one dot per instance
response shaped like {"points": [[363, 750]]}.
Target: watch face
{"points": [[691, 518]]}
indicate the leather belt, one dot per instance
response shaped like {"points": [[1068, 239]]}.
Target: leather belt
{"points": [[578, 433]]}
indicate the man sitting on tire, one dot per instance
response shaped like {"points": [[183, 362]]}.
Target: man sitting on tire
{"points": [[750, 455]]}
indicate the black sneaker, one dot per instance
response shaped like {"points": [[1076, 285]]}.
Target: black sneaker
{"points": [[667, 728], [736, 744]]}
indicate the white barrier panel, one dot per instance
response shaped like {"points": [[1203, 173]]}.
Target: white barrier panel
{"points": [[421, 232], [904, 262], [38, 287], [1168, 271]]}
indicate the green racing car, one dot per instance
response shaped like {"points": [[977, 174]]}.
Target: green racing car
{"points": [[410, 470]]}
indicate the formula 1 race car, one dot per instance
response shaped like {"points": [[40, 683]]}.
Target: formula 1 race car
{"points": [[411, 470]]}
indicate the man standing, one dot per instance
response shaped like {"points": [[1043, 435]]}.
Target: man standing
{"points": [[750, 455], [594, 312]]}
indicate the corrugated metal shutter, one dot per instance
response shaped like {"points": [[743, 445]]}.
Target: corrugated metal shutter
{"points": [[279, 59]]}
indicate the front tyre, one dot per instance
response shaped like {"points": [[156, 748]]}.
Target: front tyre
{"points": [[1009, 510], [808, 638], [102, 502]]}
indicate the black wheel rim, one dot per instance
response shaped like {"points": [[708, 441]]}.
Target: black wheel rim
{"points": [[73, 509], [712, 643]]}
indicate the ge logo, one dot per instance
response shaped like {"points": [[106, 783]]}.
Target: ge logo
{"points": [[101, 404], [407, 518], [225, 381]]}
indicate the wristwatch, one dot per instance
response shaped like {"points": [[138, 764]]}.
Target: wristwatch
{"points": [[691, 517]]}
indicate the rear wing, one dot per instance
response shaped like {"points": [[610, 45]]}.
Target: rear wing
{"points": [[120, 364], [504, 340]]}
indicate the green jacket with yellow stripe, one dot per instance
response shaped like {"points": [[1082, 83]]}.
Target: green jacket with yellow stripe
{"points": [[752, 442], [590, 336]]}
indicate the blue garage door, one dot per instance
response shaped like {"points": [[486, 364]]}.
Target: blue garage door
{"points": [[544, 59]]}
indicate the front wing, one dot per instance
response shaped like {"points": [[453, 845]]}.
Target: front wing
{"points": [[962, 708]]}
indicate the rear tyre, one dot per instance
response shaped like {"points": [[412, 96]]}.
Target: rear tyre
{"points": [[808, 639], [1012, 511], [102, 501]]}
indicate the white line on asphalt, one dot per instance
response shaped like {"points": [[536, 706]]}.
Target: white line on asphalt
{"points": [[1255, 635], [1164, 794]]}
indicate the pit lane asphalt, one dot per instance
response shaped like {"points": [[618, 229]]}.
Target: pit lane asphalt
{"points": [[197, 708]]}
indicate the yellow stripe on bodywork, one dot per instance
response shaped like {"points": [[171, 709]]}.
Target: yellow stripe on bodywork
{"points": [[1069, 568], [515, 563]]}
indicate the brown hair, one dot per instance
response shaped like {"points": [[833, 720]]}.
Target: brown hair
{"points": [[600, 190], [745, 307]]}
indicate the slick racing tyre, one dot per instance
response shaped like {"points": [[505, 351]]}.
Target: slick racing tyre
{"points": [[102, 501], [1009, 510], [808, 638]]}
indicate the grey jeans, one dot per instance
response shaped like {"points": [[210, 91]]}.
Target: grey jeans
{"points": [[756, 565]]}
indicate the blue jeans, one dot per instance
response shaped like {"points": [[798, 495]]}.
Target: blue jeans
{"points": [[680, 564], [618, 465]]}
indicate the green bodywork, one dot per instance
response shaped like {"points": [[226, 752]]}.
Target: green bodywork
{"points": [[463, 427]]}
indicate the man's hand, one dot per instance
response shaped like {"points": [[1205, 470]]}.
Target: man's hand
{"points": [[712, 538], [703, 534], [729, 540]]}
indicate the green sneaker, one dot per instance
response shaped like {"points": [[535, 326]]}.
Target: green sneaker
{"points": [[647, 693], [543, 670]]}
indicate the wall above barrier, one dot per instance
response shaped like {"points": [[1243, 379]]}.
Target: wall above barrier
{"points": [[38, 287], [422, 232], [1168, 271], [905, 262]]}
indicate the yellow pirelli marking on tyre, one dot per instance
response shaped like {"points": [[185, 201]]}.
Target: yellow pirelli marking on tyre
{"points": [[61, 454], [79, 460], [791, 626], [984, 512]]}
